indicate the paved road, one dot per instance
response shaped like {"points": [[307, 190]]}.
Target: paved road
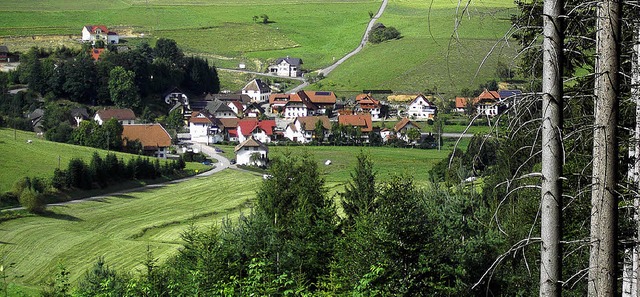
{"points": [[222, 164], [326, 71]]}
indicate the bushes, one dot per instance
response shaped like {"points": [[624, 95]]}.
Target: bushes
{"points": [[31, 194], [381, 33]]}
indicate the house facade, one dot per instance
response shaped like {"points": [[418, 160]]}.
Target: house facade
{"points": [[125, 116], [365, 103], [421, 108], [203, 128], [220, 110], [258, 90], [154, 138], [289, 67], [252, 152], [402, 127], [302, 129], [93, 33], [259, 130], [488, 103]]}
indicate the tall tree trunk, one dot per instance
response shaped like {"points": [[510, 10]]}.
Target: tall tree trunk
{"points": [[604, 206], [552, 153]]}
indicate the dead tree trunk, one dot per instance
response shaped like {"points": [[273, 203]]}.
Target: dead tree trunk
{"points": [[552, 153], [604, 206]]}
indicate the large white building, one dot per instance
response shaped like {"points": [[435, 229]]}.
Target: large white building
{"points": [[289, 67], [93, 33], [421, 108], [258, 90], [251, 152]]}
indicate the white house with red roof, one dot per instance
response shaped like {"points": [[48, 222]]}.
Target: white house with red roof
{"points": [[260, 130], [365, 103], [93, 33], [302, 128], [252, 152], [488, 103], [421, 108], [124, 115]]}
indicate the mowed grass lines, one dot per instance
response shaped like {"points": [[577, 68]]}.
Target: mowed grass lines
{"points": [[120, 228], [40, 157], [433, 53]]}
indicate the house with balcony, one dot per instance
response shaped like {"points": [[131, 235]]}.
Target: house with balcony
{"points": [[288, 67], [420, 108], [303, 129]]}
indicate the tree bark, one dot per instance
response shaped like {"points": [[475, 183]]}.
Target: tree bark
{"points": [[552, 153], [602, 260]]}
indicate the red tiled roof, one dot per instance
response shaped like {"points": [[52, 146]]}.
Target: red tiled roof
{"points": [[359, 120], [150, 135], [490, 95], [233, 133], [228, 123], [118, 114], [93, 28], [247, 126], [279, 98], [319, 97], [96, 52], [403, 123], [309, 123], [238, 105], [201, 117]]}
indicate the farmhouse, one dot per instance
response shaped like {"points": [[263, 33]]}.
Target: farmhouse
{"points": [[277, 102], [421, 108], [251, 152], [93, 33], [462, 104], [403, 126], [220, 110], [288, 66], [323, 100], [365, 103], [488, 103], [299, 106], [154, 138], [302, 128], [258, 90], [125, 116]]}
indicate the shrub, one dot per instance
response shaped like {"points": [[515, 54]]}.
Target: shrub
{"points": [[32, 200]]}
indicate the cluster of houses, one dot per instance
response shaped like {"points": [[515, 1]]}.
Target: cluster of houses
{"points": [[256, 116]]}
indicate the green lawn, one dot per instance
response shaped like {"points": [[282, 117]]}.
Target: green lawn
{"points": [[119, 228], [40, 157], [433, 54]]}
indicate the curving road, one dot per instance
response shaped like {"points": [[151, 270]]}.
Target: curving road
{"points": [[222, 164], [326, 71]]}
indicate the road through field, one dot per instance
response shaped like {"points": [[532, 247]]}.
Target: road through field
{"points": [[222, 164]]}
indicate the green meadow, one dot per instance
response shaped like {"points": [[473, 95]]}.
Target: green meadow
{"points": [[444, 48], [119, 228], [40, 157]]}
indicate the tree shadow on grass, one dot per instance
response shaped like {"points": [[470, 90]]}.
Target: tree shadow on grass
{"points": [[59, 216]]}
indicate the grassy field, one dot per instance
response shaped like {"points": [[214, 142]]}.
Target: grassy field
{"points": [[41, 157], [119, 228], [434, 54]]}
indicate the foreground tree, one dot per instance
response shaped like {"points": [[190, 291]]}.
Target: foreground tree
{"points": [[552, 153], [122, 88], [602, 261]]}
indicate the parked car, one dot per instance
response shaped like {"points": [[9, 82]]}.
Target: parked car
{"points": [[207, 162], [219, 150], [232, 161]]}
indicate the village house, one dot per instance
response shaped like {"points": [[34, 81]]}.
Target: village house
{"points": [[253, 110], [203, 127], [79, 114], [299, 106], [361, 122], [125, 116], [228, 128], [421, 108], [289, 67], [302, 129], [258, 90], [252, 152], [462, 104], [220, 110], [488, 103], [154, 138], [403, 126], [322, 100], [93, 33], [277, 102], [261, 130], [365, 103]]}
